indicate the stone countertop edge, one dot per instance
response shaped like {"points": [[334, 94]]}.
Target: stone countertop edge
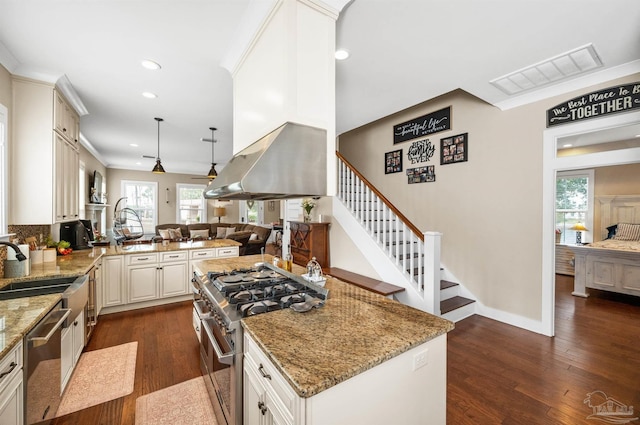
{"points": [[20, 315], [354, 331]]}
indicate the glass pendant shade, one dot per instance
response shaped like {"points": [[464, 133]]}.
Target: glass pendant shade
{"points": [[212, 172]]}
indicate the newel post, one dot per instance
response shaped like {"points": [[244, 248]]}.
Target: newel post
{"points": [[432, 242]]}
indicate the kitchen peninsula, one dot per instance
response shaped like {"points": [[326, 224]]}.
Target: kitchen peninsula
{"points": [[360, 358]]}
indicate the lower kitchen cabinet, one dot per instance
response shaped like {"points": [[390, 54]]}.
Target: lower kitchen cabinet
{"points": [[113, 281], [72, 345], [142, 283], [393, 392], [11, 387]]}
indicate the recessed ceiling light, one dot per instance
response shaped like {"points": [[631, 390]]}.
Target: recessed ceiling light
{"points": [[149, 64], [138, 163], [342, 54], [135, 145], [567, 145], [149, 95], [637, 135]]}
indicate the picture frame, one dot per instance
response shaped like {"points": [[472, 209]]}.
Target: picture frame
{"points": [[424, 174], [393, 162], [454, 149]]}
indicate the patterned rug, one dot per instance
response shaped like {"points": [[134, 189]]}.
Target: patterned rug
{"points": [[100, 376], [186, 403]]}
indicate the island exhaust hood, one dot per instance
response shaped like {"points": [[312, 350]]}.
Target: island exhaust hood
{"points": [[290, 162]]}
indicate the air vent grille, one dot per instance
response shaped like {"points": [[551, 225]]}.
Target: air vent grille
{"points": [[563, 66]]}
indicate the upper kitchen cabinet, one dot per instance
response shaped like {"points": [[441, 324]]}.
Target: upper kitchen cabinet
{"points": [[44, 153]]}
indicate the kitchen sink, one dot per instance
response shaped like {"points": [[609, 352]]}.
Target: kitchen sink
{"points": [[74, 290]]}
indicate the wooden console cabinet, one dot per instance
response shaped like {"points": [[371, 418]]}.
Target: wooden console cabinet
{"points": [[309, 240]]}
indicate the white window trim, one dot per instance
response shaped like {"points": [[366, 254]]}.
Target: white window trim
{"points": [[4, 172], [123, 183], [179, 186], [587, 237]]}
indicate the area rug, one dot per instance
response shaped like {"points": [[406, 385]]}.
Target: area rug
{"points": [[100, 376], [186, 403]]}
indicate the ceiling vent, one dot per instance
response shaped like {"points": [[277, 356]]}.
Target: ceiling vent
{"points": [[557, 68]]}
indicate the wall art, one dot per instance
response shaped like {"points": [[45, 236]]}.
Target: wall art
{"points": [[424, 174], [454, 149], [422, 126], [420, 151], [393, 162]]}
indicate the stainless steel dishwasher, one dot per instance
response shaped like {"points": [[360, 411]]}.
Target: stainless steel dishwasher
{"points": [[42, 366]]}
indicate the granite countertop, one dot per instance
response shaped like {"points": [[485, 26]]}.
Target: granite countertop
{"points": [[19, 316], [354, 331]]}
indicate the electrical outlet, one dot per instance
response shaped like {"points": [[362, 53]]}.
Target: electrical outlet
{"points": [[421, 359]]}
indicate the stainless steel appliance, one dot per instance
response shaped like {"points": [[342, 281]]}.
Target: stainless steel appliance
{"points": [[221, 300], [42, 366]]}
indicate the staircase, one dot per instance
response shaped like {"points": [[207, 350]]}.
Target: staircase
{"points": [[396, 249]]}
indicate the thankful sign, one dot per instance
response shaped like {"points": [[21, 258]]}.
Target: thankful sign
{"points": [[596, 104]]}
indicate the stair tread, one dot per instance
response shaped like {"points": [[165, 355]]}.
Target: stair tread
{"points": [[453, 303], [444, 284]]}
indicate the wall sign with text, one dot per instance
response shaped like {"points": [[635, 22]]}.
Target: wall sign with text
{"points": [[427, 124], [597, 104], [420, 151]]}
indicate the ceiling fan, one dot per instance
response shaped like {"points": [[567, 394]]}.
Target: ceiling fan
{"points": [[212, 174]]}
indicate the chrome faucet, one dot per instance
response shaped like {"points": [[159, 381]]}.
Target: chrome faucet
{"points": [[19, 255]]}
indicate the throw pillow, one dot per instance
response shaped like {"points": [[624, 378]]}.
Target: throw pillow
{"points": [[229, 231], [611, 231], [221, 232], [628, 232], [175, 233], [164, 233], [253, 237], [195, 234]]}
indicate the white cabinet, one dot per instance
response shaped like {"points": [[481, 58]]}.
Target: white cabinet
{"points": [[11, 388], [268, 398], [113, 281], [417, 394], [72, 344], [98, 295], [153, 276], [42, 155]]}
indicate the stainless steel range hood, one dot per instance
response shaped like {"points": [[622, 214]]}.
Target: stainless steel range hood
{"points": [[289, 162]]}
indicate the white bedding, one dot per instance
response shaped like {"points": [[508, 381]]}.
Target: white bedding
{"points": [[619, 245]]}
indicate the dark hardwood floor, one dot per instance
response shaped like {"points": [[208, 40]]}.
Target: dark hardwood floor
{"points": [[497, 374], [167, 355]]}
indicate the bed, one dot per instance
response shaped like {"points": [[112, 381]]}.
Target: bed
{"points": [[611, 264]]}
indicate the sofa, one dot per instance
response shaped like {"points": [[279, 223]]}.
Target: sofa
{"points": [[253, 238]]}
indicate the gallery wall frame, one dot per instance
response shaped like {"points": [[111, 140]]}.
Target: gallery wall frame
{"points": [[393, 162], [454, 149], [425, 174]]}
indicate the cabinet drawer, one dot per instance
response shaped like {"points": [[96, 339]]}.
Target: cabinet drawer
{"points": [[173, 256], [265, 368], [231, 251], [203, 253], [11, 364], [143, 258]]}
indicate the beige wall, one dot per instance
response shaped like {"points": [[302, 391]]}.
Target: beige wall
{"points": [[5, 87], [166, 211], [489, 209]]}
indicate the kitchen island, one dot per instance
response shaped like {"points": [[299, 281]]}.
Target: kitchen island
{"points": [[361, 358]]}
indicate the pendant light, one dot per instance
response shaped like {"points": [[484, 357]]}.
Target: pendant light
{"points": [[212, 174], [158, 169]]}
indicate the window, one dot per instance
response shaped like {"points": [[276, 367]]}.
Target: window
{"points": [[4, 174], [142, 197], [191, 205], [574, 204]]}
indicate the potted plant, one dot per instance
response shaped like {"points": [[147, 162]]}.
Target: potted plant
{"points": [[307, 206], [50, 251]]}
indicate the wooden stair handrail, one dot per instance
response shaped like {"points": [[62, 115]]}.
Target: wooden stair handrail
{"points": [[388, 203]]}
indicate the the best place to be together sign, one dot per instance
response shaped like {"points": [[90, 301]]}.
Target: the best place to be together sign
{"points": [[604, 102]]}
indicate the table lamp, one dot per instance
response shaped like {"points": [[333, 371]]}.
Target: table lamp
{"points": [[219, 212], [579, 228]]}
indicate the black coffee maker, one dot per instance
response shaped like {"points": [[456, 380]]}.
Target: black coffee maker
{"points": [[77, 233]]}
